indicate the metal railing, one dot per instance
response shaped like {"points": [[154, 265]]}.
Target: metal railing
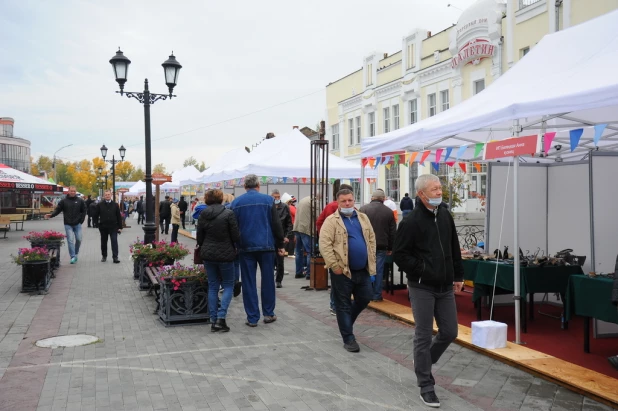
{"points": [[470, 235], [526, 3]]}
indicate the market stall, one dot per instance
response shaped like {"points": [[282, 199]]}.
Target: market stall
{"points": [[19, 190]]}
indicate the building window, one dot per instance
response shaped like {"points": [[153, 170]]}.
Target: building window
{"points": [[413, 111], [479, 86], [372, 124], [335, 131], [431, 104], [358, 130], [410, 56], [369, 74], [351, 131], [526, 3], [387, 119], [478, 181], [392, 182], [444, 100], [356, 189], [396, 117], [525, 51]]}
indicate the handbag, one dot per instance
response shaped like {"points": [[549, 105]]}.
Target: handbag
{"points": [[197, 258]]}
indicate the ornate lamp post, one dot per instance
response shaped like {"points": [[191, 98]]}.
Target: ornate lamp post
{"points": [[171, 68], [113, 162]]}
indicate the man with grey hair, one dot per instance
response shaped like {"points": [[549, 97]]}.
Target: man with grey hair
{"points": [[261, 237], [74, 211], [427, 250]]}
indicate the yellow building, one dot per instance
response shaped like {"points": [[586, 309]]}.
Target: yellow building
{"points": [[434, 71]]}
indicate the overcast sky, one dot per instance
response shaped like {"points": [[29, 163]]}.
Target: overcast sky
{"points": [[239, 58]]}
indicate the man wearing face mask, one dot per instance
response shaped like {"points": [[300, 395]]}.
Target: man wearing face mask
{"points": [[348, 245], [286, 222], [427, 249]]}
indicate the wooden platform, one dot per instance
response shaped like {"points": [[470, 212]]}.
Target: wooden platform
{"points": [[589, 383]]}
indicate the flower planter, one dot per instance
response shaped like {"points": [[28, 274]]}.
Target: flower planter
{"points": [[50, 245], [144, 281], [138, 267], [35, 276], [186, 305]]}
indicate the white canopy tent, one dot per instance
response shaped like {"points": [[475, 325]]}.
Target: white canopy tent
{"points": [[187, 173], [566, 82]]}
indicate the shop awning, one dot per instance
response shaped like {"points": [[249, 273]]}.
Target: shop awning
{"points": [[15, 180]]}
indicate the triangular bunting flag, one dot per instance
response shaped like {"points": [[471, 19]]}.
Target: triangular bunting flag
{"points": [[294, 179], [331, 180], [448, 153], [388, 166], [371, 162], [463, 167], [436, 165], [264, 179], [478, 148], [439, 154], [386, 160], [575, 135], [598, 132], [285, 180], [549, 137], [477, 166], [364, 162], [368, 180], [275, 180], [461, 152], [377, 163], [413, 156], [450, 163], [396, 158], [424, 157], [304, 179]]}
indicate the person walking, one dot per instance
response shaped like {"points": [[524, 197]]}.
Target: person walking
{"points": [[175, 212], [183, 206], [286, 223], [89, 202], [302, 228], [73, 210], [110, 225], [140, 210], [348, 245], [427, 250], [92, 214], [384, 227], [261, 236], [289, 201], [165, 213], [217, 236], [406, 205], [193, 205]]}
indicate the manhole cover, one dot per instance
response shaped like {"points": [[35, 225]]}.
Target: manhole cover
{"points": [[67, 341]]}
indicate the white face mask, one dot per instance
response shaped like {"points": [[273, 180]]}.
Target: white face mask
{"points": [[346, 211], [435, 202], [277, 201]]}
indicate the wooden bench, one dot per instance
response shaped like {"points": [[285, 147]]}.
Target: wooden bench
{"points": [[5, 224], [151, 273], [18, 220]]}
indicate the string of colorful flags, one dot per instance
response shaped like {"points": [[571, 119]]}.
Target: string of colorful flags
{"points": [[239, 182], [421, 156]]}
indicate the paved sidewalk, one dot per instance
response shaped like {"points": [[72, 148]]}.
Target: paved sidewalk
{"points": [[296, 363]]}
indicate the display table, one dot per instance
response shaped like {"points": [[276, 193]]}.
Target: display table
{"points": [[590, 297], [532, 280]]}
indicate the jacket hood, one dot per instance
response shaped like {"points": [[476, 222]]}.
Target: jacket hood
{"points": [[213, 211]]}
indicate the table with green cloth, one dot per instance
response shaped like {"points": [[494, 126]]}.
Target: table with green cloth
{"points": [[533, 279], [590, 297]]}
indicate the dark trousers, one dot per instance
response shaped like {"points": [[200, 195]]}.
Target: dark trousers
{"points": [[112, 233], [182, 218], [164, 221], [279, 267], [90, 222], [347, 310], [141, 217], [427, 304], [175, 228]]}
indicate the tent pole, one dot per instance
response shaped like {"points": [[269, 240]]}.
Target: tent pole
{"points": [[517, 291], [362, 184]]}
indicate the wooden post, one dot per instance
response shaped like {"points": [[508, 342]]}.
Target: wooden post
{"points": [[157, 224]]}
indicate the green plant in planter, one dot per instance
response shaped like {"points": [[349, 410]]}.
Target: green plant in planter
{"points": [[31, 255]]}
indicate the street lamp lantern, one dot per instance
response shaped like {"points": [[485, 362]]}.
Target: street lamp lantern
{"points": [[122, 151], [120, 64], [103, 151], [171, 69]]}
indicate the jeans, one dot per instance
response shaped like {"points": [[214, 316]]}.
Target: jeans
{"points": [[175, 228], [347, 310], [220, 274], [377, 284], [249, 262], [74, 238], [303, 243], [406, 212], [112, 233], [427, 304]]}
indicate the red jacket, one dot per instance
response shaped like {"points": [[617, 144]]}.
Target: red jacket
{"points": [[328, 210]]}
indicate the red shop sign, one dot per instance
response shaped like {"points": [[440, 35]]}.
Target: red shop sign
{"points": [[516, 146]]}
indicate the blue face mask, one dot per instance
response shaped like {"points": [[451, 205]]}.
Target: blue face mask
{"points": [[434, 201], [277, 201], [346, 211]]}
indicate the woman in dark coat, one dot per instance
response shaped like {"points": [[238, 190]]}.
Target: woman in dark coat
{"points": [[217, 234]]}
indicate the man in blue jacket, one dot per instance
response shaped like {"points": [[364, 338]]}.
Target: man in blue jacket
{"points": [[261, 236]]}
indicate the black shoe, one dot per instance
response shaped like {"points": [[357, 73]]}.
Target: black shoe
{"points": [[279, 284], [103, 259], [161, 232], [352, 346], [299, 276], [220, 325], [237, 289], [116, 260], [430, 399], [613, 361]]}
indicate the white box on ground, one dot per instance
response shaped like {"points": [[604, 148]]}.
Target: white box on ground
{"points": [[489, 334]]}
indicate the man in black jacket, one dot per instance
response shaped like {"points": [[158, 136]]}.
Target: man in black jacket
{"points": [[427, 249], [384, 226], [286, 223], [183, 206], [406, 205], [73, 210], [139, 209], [92, 214], [165, 214], [89, 201], [110, 225]]}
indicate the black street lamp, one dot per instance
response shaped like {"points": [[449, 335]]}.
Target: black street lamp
{"points": [[113, 162], [171, 68]]}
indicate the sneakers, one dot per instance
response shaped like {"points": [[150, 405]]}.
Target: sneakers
{"points": [[332, 311], [252, 325], [352, 346], [73, 260], [299, 276], [270, 319], [279, 284], [430, 399]]}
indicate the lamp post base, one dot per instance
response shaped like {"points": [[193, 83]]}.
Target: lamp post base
{"points": [[149, 233]]}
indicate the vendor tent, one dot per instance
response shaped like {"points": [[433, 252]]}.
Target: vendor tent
{"points": [[12, 179], [187, 173]]}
